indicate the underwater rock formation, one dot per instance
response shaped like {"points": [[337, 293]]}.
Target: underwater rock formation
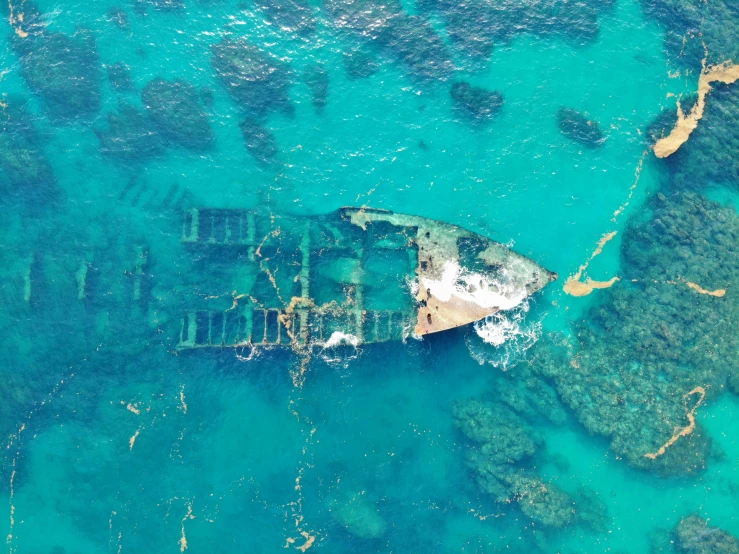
{"points": [[295, 16], [709, 155], [408, 39], [413, 43], [357, 515], [530, 396], [474, 27], [63, 71], [257, 81], [119, 17], [175, 107], [161, 5], [119, 76], [26, 173], [695, 536], [648, 354], [695, 32], [500, 462], [130, 136], [359, 64], [259, 141], [578, 127], [476, 104], [316, 77]]}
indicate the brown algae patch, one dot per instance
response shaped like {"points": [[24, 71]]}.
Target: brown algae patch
{"points": [[132, 440], [637, 175], [727, 73], [717, 293], [681, 431], [579, 288], [574, 286], [183, 537], [16, 20]]}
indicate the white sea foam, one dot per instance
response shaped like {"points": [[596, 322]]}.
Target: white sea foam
{"points": [[338, 338], [502, 339], [503, 293], [340, 349]]}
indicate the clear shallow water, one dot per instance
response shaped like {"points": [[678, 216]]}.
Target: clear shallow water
{"points": [[117, 443]]}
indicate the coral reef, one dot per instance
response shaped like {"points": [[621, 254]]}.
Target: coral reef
{"points": [[416, 47], [175, 107], [591, 509], [709, 155], [259, 141], [360, 64], [257, 81], [295, 16], [316, 77], [530, 396], [119, 17], [130, 136], [695, 536], [474, 27], [407, 39], [476, 104], [501, 464], [695, 30], [119, 76], [26, 173], [653, 340], [357, 515], [578, 127], [161, 5], [63, 71]]}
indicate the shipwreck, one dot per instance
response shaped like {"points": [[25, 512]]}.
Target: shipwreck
{"points": [[354, 276]]}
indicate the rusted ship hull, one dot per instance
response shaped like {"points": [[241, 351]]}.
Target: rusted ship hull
{"points": [[354, 276]]}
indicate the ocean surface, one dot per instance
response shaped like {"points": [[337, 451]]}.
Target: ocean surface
{"points": [[116, 440]]}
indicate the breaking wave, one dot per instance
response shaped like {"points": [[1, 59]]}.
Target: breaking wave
{"points": [[503, 338]]}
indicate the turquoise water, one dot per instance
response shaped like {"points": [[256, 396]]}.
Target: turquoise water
{"points": [[116, 441]]}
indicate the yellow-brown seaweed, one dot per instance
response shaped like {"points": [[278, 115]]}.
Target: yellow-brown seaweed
{"points": [[727, 73], [575, 287], [718, 292], [681, 431]]}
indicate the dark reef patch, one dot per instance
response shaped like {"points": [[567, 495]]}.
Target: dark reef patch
{"points": [[162, 5], [257, 81], [117, 16], [360, 64], [697, 30], [409, 40], [131, 136], [317, 79], [259, 141], [26, 174], [416, 47], [63, 71], [475, 104], [652, 340], [119, 76], [474, 27], [693, 535], [578, 127], [175, 107], [295, 16], [501, 458], [709, 156]]}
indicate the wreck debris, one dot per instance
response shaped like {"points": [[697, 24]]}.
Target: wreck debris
{"points": [[355, 276]]}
